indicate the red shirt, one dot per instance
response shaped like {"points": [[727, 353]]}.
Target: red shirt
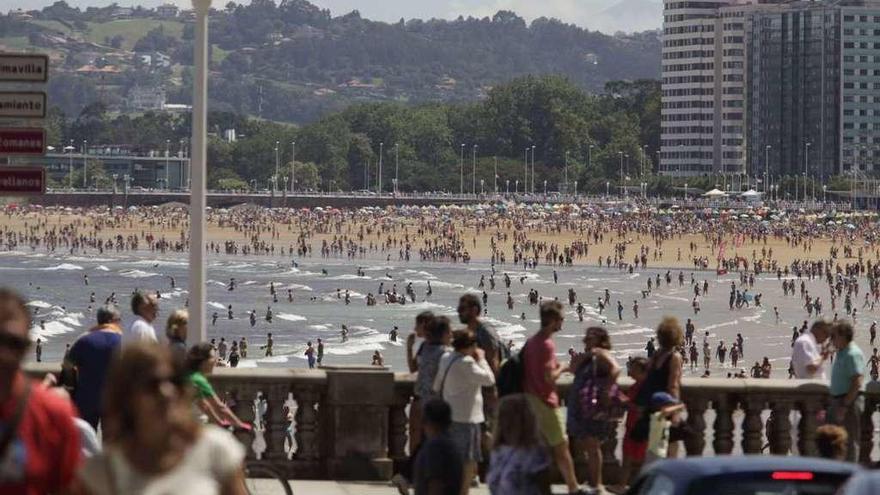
{"points": [[46, 450], [540, 358]]}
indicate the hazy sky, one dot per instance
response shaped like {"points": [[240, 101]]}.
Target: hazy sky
{"points": [[581, 12]]}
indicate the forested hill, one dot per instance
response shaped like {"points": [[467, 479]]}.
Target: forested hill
{"points": [[293, 61]]}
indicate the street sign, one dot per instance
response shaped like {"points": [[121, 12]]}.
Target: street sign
{"points": [[21, 181], [24, 67], [22, 104], [22, 141]]}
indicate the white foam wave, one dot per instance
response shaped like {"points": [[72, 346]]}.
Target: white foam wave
{"points": [[290, 317], [38, 304], [134, 273], [62, 266], [216, 305]]}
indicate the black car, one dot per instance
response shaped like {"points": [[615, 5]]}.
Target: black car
{"points": [[743, 475]]}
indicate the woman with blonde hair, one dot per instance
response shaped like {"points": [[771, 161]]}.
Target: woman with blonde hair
{"points": [[519, 460], [662, 375], [176, 329], [152, 442]]}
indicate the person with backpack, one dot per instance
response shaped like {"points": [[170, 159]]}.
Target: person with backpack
{"points": [[460, 376], [541, 369], [594, 401]]}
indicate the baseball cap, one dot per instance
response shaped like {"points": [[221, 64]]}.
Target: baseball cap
{"points": [[660, 399]]}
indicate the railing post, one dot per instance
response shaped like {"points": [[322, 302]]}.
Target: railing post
{"points": [[723, 425], [696, 409], [806, 442], [780, 427], [866, 440], [752, 425], [306, 422], [397, 434]]}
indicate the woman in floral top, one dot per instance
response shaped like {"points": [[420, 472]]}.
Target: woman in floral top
{"points": [[519, 461]]}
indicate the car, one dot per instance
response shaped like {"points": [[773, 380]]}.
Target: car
{"points": [[743, 475]]}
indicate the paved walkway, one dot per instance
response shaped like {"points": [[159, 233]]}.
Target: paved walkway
{"points": [[353, 488]]}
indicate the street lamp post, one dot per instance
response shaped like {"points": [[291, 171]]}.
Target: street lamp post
{"points": [[277, 167], [85, 162], [481, 187], [824, 191], [396, 165], [381, 156], [806, 166], [70, 149], [766, 166], [545, 189], [461, 171], [167, 161], [198, 202], [607, 191], [575, 188], [533, 169], [495, 176], [507, 187], [620, 155], [516, 187], [566, 172], [293, 167], [474, 171]]}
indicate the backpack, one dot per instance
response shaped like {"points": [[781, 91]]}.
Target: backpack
{"points": [[510, 375]]}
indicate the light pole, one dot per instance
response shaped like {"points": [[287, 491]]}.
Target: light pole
{"points": [[516, 187], [293, 167], [474, 171], [167, 160], [70, 149], [481, 187], [806, 166], [620, 155], [575, 188], [198, 201], [566, 172], [545, 188], [824, 192], [396, 165], [685, 191], [533, 169], [507, 187], [526, 177], [461, 171], [85, 162], [381, 156], [766, 166], [495, 179], [607, 187], [590, 156], [277, 168]]}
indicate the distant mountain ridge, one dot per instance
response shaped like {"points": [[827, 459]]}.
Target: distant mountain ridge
{"points": [[296, 62]]}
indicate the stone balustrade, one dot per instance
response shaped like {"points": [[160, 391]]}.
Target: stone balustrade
{"points": [[351, 423]]}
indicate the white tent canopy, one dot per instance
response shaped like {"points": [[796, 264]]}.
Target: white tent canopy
{"points": [[715, 193], [751, 193]]}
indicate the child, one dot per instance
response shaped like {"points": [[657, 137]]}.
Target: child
{"points": [[633, 451], [519, 460], [664, 409]]}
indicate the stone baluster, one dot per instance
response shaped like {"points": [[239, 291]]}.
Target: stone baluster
{"points": [[780, 427], [696, 422], [276, 422], [306, 421], [807, 425], [397, 431], [722, 441], [610, 462], [866, 439], [752, 426]]}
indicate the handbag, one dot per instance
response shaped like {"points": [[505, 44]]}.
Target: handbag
{"points": [[601, 399]]}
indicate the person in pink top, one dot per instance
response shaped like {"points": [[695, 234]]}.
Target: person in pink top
{"points": [[541, 370]]}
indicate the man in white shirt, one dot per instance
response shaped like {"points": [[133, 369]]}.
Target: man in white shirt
{"points": [[460, 378], [146, 308], [807, 356]]}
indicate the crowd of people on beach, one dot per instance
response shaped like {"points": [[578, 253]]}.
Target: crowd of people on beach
{"points": [[480, 411]]}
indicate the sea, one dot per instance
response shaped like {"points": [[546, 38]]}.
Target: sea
{"points": [[54, 285]]}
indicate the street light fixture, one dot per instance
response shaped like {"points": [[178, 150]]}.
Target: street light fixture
{"points": [[766, 166], [396, 165], [533, 169], [474, 171], [293, 167], [85, 162], [381, 156], [461, 171], [70, 149]]}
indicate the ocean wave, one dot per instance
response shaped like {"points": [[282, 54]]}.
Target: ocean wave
{"points": [[348, 276], [38, 304], [134, 273], [157, 262], [290, 317], [62, 266], [102, 268], [216, 305]]}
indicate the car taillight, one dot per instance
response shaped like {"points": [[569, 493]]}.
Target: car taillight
{"points": [[792, 475]]}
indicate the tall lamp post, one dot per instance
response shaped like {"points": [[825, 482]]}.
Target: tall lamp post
{"points": [[806, 166], [474, 171], [85, 162], [293, 167], [167, 161], [566, 172], [526, 176], [533, 169], [197, 269], [277, 168], [461, 171], [381, 156], [766, 166], [396, 165], [70, 149], [495, 188], [620, 155]]}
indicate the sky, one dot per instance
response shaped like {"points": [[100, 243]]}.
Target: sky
{"points": [[592, 14]]}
